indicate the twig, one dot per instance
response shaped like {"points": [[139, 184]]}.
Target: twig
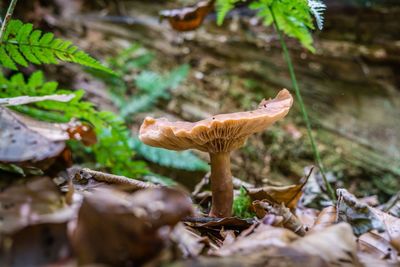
{"points": [[7, 18], [116, 179], [392, 202], [302, 107]]}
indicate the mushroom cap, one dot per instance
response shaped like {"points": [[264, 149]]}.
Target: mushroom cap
{"points": [[220, 133]]}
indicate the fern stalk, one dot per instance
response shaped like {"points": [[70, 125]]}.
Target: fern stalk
{"points": [[7, 18], [302, 106]]}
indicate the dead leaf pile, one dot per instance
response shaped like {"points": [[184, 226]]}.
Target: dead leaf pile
{"points": [[39, 228]]}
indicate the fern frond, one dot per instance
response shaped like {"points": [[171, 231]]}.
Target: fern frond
{"points": [[292, 16], [22, 44], [152, 87], [179, 160], [317, 8]]}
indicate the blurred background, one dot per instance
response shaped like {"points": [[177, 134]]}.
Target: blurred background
{"points": [[351, 84]]}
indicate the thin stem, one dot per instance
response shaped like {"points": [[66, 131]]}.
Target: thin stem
{"points": [[7, 18], [221, 185], [302, 107], [115, 179]]}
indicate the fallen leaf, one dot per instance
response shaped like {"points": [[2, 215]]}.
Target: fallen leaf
{"points": [[376, 245], [228, 235], [364, 218], [307, 217], [36, 245], [335, 244], [368, 260], [227, 222], [117, 229], [33, 225], [267, 257], [190, 243], [289, 220], [326, 218], [35, 202], [262, 237], [19, 143], [289, 195], [188, 18]]}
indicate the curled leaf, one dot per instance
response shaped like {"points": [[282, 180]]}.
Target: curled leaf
{"points": [[335, 244], [262, 237], [188, 18], [289, 195], [289, 220], [364, 218]]}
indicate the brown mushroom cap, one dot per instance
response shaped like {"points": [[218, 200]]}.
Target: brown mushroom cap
{"points": [[220, 133]]}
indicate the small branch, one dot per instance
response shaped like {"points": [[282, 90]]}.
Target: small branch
{"points": [[302, 107], [115, 179], [7, 18]]}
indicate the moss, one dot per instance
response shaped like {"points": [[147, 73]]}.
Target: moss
{"points": [[242, 205]]}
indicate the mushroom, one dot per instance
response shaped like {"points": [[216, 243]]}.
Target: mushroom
{"points": [[218, 135]]}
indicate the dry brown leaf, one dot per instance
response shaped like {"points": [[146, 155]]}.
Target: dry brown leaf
{"points": [[228, 236], [289, 220], [116, 228], [33, 228], [335, 244], [326, 218], [188, 18], [268, 257], [368, 260], [36, 245], [395, 242], [227, 222], [189, 242], [289, 195], [31, 145], [38, 201], [307, 216], [262, 237], [364, 218], [19, 143], [376, 245]]}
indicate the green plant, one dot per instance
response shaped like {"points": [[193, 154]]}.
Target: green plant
{"points": [[294, 18], [21, 44], [112, 150], [242, 205]]}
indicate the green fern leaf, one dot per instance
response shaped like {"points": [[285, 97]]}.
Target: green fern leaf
{"points": [[16, 55], [223, 7], [5, 59], [292, 16], [21, 44], [179, 160], [317, 8]]}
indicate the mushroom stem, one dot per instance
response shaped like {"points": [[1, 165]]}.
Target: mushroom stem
{"points": [[221, 185]]}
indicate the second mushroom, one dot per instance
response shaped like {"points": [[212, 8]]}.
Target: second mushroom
{"points": [[219, 136]]}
